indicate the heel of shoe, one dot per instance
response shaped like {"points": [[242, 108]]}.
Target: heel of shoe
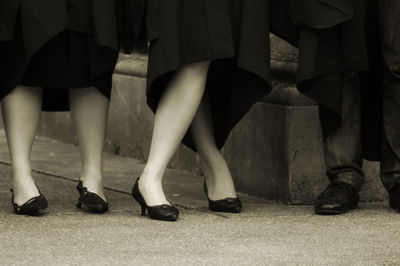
{"points": [[143, 206], [159, 212], [139, 198]]}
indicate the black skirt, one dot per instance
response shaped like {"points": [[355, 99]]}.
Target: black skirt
{"points": [[60, 45], [232, 34]]}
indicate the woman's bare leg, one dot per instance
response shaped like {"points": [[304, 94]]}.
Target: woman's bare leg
{"points": [[175, 113], [217, 174], [89, 111], [21, 114]]}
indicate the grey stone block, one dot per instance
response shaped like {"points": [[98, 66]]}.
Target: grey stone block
{"points": [[276, 152]]}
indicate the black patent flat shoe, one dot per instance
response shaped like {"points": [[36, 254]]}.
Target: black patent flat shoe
{"points": [[337, 198], [162, 212], [92, 201], [31, 207], [232, 205]]}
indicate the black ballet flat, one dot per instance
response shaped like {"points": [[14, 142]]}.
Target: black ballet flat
{"points": [[31, 207], [162, 212], [232, 205], [92, 201]]}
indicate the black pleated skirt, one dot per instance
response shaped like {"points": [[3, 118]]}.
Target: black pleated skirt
{"points": [[80, 52], [232, 34]]}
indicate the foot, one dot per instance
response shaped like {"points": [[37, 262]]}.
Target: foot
{"points": [[164, 212], [338, 198], [219, 181], [220, 188], [94, 185], [24, 189], [92, 201], [394, 196], [32, 207], [152, 192]]}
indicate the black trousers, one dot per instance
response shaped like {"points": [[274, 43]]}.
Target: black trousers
{"points": [[343, 149]]}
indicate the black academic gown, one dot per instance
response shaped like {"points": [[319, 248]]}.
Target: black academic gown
{"points": [[232, 34], [336, 37]]}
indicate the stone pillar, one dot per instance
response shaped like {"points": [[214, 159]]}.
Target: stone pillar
{"points": [[276, 151]]}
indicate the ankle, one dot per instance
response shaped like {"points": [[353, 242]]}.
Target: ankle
{"points": [[92, 175], [21, 172], [92, 183], [25, 190], [219, 182], [23, 179], [151, 190], [149, 175]]}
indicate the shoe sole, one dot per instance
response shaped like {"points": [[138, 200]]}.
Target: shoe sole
{"points": [[164, 219], [96, 208], [335, 212], [396, 208], [225, 210]]}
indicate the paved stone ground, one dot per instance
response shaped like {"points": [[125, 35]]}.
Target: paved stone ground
{"points": [[265, 233]]}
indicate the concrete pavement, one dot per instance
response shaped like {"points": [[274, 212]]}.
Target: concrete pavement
{"points": [[265, 233]]}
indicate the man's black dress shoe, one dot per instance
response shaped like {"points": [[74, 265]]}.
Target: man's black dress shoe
{"points": [[394, 196], [337, 198]]}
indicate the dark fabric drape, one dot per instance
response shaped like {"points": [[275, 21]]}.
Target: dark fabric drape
{"points": [[56, 44], [232, 34], [334, 38], [133, 27], [331, 39]]}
